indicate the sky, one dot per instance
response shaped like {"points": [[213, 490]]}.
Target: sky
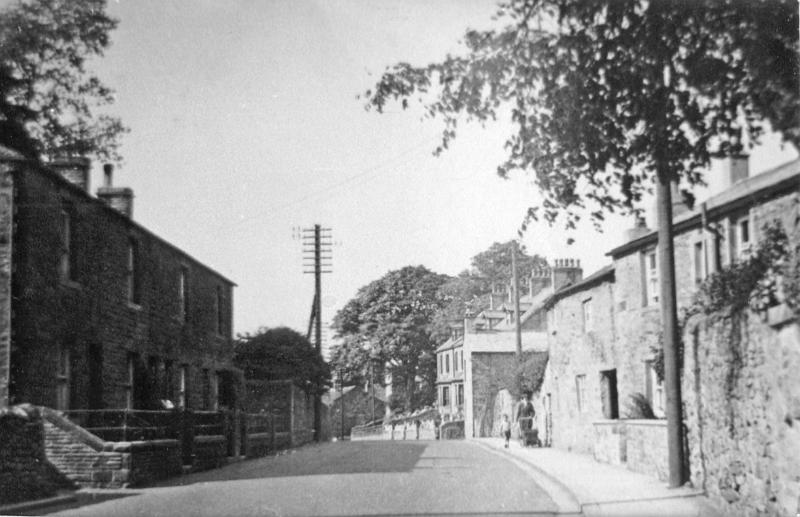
{"points": [[245, 125]]}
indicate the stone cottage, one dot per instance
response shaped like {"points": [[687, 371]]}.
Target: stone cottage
{"points": [[740, 390]]}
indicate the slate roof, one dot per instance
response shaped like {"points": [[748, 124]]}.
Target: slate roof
{"points": [[743, 193]]}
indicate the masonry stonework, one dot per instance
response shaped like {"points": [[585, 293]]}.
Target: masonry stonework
{"points": [[742, 407], [91, 313]]}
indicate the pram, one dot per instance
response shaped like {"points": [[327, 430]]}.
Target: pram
{"points": [[528, 433]]}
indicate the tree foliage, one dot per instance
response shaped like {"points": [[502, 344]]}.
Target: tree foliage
{"points": [[607, 95], [389, 321], [470, 291], [48, 96], [281, 353]]}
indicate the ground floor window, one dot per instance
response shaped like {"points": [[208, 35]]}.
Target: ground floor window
{"points": [[445, 396], [608, 394], [63, 377], [460, 395], [654, 389], [580, 389]]}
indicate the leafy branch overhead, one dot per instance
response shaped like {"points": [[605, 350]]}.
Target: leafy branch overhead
{"points": [[49, 99], [604, 96]]}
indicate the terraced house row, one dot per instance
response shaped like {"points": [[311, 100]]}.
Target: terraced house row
{"points": [[97, 311], [600, 336]]}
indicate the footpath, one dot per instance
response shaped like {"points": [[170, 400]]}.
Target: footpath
{"points": [[579, 485]]}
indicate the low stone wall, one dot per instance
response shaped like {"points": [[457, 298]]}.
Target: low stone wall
{"points": [[210, 452], [647, 448], [375, 432], [89, 461], [452, 430], [24, 471], [610, 444]]}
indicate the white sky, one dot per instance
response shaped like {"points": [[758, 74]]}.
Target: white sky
{"points": [[245, 123]]}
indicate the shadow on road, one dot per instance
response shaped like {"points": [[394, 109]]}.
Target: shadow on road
{"points": [[318, 459], [83, 499]]}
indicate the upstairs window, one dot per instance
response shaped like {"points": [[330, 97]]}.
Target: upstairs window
{"points": [[651, 278], [460, 395], [219, 310], [133, 273], [447, 363], [66, 266], [445, 396], [742, 239], [183, 294], [587, 315], [699, 263]]}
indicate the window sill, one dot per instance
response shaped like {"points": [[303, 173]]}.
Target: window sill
{"points": [[134, 306], [72, 284], [779, 315]]}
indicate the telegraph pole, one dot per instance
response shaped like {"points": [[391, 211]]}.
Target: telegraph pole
{"points": [[517, 326], [317, 253]]}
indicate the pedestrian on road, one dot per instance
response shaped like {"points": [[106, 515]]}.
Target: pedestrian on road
{"points": [[505, 429], [525, 412]]}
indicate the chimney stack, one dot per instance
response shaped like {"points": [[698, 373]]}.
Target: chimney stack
{"points": [[118, 198], [540, 279], [727, 170], [74, 169], [566, 271], [639, 229]]}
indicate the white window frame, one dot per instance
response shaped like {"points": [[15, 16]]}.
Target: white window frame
{"points": [[743, 247], [183, 294], [699, 262], [651, 276], [65, 262], [63, 376], [182, 378], [586, 310], [130, 366], [133, 267], [580, 391], [656, 389]]}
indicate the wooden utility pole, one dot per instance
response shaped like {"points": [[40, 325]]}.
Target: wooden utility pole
{"points": [[516, 298], [669, 321], [517, 326], [317, 240]]}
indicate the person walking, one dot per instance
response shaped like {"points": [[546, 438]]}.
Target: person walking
{"points": [[505, 429]]}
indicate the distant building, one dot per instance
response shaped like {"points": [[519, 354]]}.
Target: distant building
{"points": [[477, 366], [361, 405], [95, 310]]}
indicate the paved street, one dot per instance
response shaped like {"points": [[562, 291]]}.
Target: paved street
{"points": [[345, 478]]}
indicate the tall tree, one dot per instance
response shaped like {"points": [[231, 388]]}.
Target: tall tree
{"points": [[611, 97], [470, 290], [282, 353], [48, 97], [494, 264], [389, 321]]}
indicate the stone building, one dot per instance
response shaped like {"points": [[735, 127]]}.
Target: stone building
{"points": [[584, 361], [740, 390], [489, 349], [361, 405], [450, 375], [95, 310]]}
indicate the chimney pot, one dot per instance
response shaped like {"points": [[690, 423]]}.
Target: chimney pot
{"points": [[108, 173]]}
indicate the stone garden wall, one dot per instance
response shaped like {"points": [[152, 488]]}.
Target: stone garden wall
{"points": [[741, 393]]}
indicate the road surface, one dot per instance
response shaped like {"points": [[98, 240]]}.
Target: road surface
{"points": [[368, 478]]}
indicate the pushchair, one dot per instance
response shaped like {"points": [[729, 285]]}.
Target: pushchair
{"points": [[528, 433]]}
